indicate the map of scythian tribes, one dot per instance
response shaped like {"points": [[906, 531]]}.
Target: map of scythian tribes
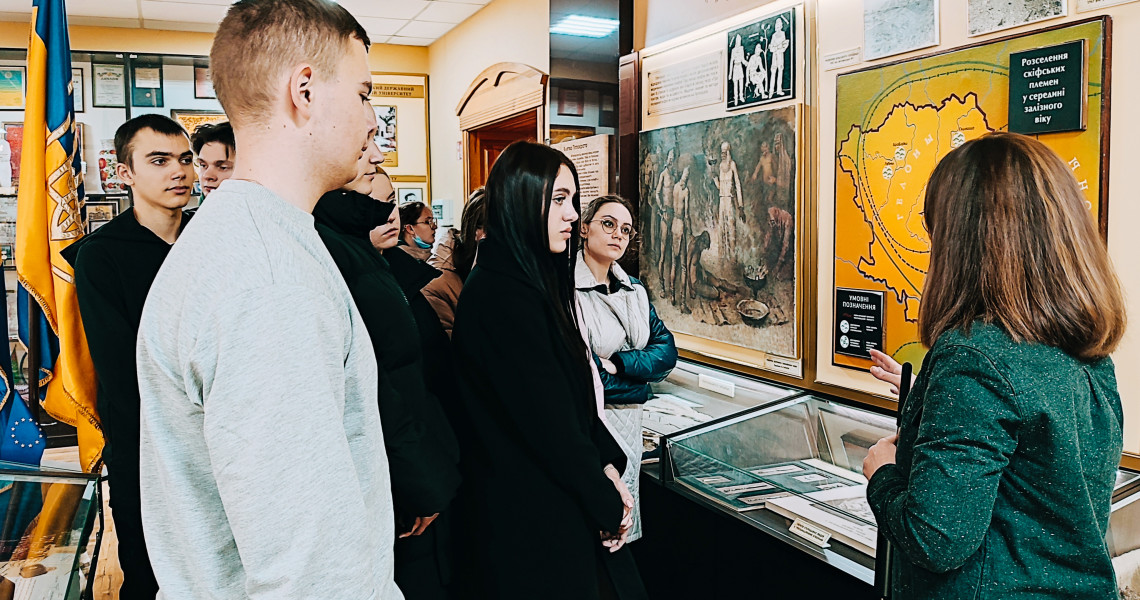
{"points": [[894, 123]]}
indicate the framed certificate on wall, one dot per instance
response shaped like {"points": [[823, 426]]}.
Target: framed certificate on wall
{"points": [[109, 84]]}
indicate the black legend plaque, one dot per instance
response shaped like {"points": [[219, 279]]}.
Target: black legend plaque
{"points": [[858, 322], [1048, 89]]}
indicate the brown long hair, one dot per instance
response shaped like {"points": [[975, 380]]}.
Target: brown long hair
{"points": [[1012, 243]]}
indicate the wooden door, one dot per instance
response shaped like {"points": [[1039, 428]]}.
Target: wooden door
{"points": [[486, 143]]}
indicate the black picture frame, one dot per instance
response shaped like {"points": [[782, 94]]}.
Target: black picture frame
{"points": [[203, 86], [146, 96], [78, 90]]}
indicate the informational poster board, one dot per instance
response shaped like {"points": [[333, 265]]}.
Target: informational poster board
{"points": [[895, 122]]}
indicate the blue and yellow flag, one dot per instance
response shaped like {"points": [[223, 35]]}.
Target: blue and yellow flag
{"points": [[23, 440], [47, 221]]}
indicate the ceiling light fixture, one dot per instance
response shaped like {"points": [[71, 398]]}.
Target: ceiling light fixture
{"points": [[591, 27]]}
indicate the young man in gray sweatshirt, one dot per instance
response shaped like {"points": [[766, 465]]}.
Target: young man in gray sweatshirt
{"points": [[261, 439]]}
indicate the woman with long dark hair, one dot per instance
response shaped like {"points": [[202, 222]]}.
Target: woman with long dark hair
{"points": [[1000, 481], [543, 502]]}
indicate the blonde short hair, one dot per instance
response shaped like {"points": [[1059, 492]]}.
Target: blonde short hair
{"points": [[259, 40]]}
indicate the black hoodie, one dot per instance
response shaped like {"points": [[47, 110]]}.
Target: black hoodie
{"points": [[114, 268], [422, 452]]}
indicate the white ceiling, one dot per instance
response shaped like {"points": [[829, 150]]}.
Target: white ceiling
{"points": [[407, 22]]}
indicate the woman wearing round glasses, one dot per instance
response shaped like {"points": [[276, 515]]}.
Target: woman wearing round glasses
{"points": [[418, 233], [630, 344]]}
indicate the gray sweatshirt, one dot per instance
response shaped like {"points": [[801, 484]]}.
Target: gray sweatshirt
{"points": [[262, 457]]}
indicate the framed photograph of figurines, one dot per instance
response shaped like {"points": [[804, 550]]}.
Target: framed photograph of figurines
{"points": [[762, 61], [100, 212], [13, 88]]}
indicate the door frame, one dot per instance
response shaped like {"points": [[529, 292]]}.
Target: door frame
{"points": [[502, 92]]}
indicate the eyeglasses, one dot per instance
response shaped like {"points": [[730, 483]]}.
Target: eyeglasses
{"points": [[428, 221], [609, 226]]}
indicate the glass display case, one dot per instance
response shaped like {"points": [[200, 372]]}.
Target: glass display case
{"points": [[790, 467], [1124, 533], [694, 395], [45, 511]]}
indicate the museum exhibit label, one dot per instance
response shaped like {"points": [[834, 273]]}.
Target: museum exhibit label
{"points": [[1048, 89]]}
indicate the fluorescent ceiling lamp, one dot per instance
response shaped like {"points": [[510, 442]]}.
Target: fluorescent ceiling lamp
{"points": [[591, 27]]}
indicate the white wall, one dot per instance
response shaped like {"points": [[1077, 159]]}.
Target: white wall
{"points": [[503, 31]]}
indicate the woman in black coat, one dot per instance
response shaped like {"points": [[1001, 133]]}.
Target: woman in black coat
{"points": [[422, 452], [544, 506]]}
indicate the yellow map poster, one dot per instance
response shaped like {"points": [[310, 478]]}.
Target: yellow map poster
{"points": [[894, 123]]}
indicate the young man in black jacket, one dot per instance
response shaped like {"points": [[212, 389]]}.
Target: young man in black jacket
{"points": [[114, 268]]}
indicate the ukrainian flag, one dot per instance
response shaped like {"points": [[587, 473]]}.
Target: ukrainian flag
{"points": [[48, 220]]}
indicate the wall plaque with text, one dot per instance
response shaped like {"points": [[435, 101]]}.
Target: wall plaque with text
{"points": [[1048, 89]]}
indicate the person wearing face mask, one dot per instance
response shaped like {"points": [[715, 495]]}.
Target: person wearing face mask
{"points": [[418, 232], [544, 507], [422, 452], [631, 346], [455, 255]]}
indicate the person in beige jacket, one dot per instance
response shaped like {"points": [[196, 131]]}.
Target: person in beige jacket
{"points": [[455, 255]]}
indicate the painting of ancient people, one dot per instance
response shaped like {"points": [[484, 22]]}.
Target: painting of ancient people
{"points": [[718, 228]]}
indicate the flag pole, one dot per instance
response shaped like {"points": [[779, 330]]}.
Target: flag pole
{"points": [[34, 358]]}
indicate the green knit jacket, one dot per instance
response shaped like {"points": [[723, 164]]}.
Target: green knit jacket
{"points": [[1006, 461]]}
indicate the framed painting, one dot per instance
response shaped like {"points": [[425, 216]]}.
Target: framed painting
{"points": [[13, 88], [192, 119]]}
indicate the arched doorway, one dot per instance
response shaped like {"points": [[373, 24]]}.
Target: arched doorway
{"points": [[505, 103]]}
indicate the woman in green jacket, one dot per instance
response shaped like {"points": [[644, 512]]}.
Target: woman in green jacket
{"points": [[1002, 477]]}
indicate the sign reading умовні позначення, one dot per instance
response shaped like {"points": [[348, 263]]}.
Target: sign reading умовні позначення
{"points": [[1048, 89], [858, 322]]}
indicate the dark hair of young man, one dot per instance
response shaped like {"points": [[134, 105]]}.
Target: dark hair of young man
{"points": [[1012, 243], [125, 134], [213, 132]]}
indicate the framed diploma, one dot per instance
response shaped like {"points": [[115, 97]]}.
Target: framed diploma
{"points": [[110, 86]]}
